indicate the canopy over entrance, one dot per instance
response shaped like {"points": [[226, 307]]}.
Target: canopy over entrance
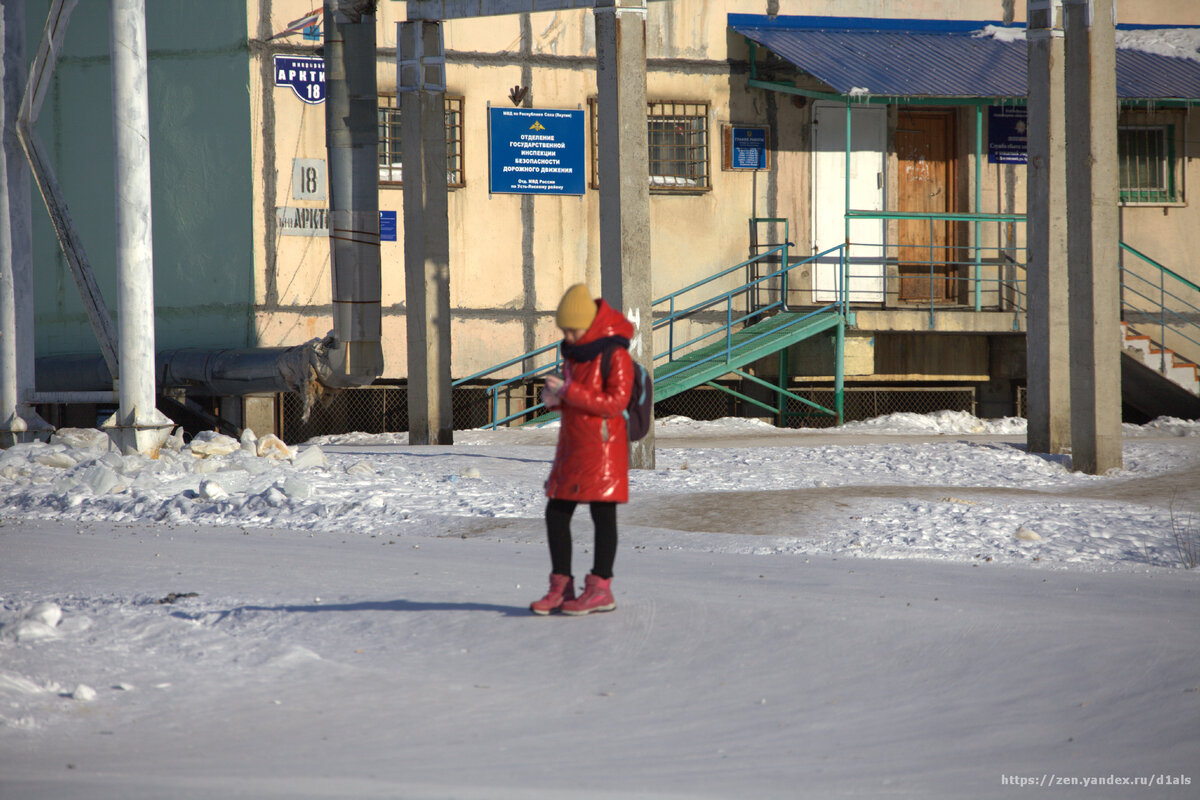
{"points": [[871, 57]]}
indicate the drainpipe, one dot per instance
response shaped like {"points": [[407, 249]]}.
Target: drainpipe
{"points": [[351, 136]]}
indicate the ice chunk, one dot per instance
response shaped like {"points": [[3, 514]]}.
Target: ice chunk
{"points": [[361, 468], [81, 438], [57, 459], [312, 456], [271, 446], [211, 490], [84, 693], [47, 612], [100, 478], [297, 488], [210, 443], [174, 442], [249, 442]]}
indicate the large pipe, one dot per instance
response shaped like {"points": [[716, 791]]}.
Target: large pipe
{"points": [[351, 135], [217, 373]]}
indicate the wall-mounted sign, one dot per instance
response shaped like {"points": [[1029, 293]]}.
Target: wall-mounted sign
{"points": [[1008, 135], [292, 221], [308, 179], [387, 226], [746, 147], [305, 76], [536, 151]]}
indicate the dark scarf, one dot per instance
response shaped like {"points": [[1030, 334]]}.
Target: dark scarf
{"points": [[586, 352]]}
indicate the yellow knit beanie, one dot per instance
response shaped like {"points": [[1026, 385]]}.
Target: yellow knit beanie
{"points": [[577, 309]]}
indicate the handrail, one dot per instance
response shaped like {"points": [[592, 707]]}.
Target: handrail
{"points": [[1160, 267]]}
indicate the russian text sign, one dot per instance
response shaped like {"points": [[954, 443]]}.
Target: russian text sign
{"points": [[536, 151], [1008, 135], [746, 147], [304, 75]]}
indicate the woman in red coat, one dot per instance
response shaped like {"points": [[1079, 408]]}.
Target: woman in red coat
{"points": [[591, 462]]}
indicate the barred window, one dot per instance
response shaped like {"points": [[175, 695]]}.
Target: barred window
{"points": [[678, 136], [390, 162], [678, 139], [1146, 159]]}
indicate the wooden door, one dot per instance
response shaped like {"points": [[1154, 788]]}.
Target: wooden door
{"points": [[926, 179]]}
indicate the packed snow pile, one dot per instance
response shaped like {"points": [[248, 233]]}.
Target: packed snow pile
{"points": [[373, 485], [1169, 42]]}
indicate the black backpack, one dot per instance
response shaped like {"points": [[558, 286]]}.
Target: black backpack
{"points": [[640, 409]]}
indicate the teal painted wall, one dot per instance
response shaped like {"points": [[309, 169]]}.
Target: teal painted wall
{"points": [[200, 156]]}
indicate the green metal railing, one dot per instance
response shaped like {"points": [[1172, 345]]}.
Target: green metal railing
{"points": [[1155, 298], [984, 277], [716, 313]]}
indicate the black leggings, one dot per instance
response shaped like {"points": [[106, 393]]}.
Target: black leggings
{"points": [[558, 531]]}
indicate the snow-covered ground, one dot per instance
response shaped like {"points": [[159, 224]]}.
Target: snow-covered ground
{"points": [[911, 606]]}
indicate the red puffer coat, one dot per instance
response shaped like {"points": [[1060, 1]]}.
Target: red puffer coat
{"points": [[591, 462]]}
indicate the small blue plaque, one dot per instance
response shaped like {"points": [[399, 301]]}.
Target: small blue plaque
{"points": [[387, 226]]}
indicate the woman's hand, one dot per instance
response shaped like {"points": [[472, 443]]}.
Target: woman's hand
{"points": [[550, 394]]}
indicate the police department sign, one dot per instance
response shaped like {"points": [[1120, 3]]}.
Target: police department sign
{"points": [[305, 76], [536, 151]]}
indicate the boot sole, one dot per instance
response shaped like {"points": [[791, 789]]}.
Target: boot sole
{"points": [[610, 607]]}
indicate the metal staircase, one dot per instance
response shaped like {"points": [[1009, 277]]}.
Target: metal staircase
{"points": [[708, 331]]}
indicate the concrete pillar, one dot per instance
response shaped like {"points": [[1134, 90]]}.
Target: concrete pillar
{"points": [[351, 139], [421, 84], [625, 279], [1092, 222], [18, 421], [1048, 368], [137, 426]]}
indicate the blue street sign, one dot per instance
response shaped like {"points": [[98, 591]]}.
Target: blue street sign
{"points": [[536, 151], [304, 74]]}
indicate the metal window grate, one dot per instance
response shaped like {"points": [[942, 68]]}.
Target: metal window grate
{"points": [[1146, 159], [678, 137], [391, 164]]}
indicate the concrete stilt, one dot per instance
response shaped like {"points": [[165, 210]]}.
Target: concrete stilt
{"points": [[18, 420], [1048, 368], [421, 83], [137, 426], [1092, 224], [625, 279]]}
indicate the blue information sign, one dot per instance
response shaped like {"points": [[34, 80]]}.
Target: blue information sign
{"points": [[305, 76], [747, 148], [387, 226], [536, 151], [1008, 137]]}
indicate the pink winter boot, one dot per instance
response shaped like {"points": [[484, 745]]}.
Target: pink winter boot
{"points": [[562, 588], [597, 596]]}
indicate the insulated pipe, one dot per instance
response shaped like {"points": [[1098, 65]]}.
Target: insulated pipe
{"points": [[135, 257], [218, 373], [351, 135], [138, 425], [8, 314]]}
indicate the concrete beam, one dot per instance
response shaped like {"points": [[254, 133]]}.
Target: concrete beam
{"points": [[1092, 225], [624, 171], [459, 9], [1048, 363], [421, 84]]}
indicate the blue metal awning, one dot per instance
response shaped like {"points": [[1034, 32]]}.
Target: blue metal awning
{"points": [[944, 59]]}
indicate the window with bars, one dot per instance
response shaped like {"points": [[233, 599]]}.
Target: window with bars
{"points": [[391, 170], [678, 139], [1146, 160]]}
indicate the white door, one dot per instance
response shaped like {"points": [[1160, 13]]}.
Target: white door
{"points": [[868, 127]]}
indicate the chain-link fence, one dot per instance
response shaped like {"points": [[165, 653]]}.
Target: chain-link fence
{"points": [[384, 408]]}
